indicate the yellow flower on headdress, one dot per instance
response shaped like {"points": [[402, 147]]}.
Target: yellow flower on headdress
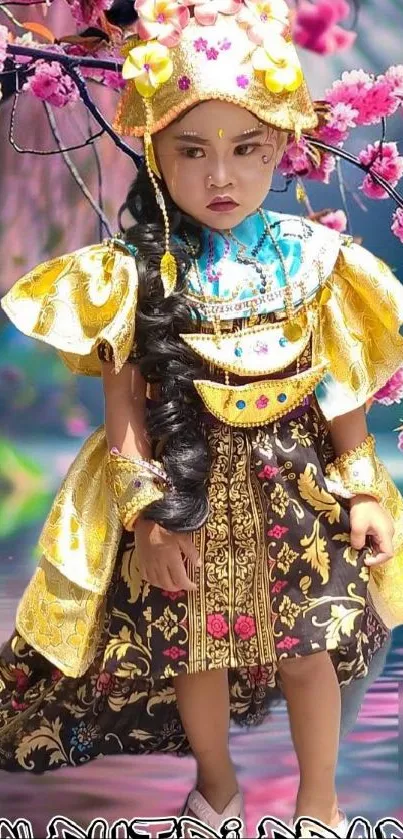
{"points": [[279, 61], [150, 65], [255, 14]]}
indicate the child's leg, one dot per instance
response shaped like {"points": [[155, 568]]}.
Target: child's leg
{"points": [[313, 697], [203, 704]]}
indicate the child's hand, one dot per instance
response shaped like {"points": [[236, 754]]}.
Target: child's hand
{"points": [[159, 556], [368, 518]]}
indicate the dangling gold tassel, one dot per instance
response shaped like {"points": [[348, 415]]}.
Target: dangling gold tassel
{"points": [[168, 266]]}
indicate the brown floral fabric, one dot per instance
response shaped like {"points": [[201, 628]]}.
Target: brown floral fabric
{"points": [[279, 578]]}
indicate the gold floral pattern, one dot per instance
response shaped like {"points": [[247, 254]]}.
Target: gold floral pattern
{"points": [[278, 579]]}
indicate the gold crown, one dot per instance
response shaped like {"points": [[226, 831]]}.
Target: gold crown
{"points": [[236, 51]]}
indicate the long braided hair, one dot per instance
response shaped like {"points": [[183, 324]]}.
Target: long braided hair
{"points": [[174, 424]]}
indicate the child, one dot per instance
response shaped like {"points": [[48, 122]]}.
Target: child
{"points": [[238, 348]]}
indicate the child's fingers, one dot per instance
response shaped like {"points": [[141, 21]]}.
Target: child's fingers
{"points": [[358, 537], [189, 549]]}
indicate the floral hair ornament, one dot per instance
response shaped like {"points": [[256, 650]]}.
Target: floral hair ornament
{"points": [[237, 51]]}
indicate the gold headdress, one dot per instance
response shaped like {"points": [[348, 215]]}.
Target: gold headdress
{"points": [[236, 51]]}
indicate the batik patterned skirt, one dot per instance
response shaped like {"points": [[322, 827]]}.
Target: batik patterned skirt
{"points": [[279, 578]]}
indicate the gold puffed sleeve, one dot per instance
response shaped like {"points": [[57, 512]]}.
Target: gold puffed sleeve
{"points": [[360, 330], [77, 301]]}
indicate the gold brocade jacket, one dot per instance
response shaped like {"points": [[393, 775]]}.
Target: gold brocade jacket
{"points": [[353, 316]]}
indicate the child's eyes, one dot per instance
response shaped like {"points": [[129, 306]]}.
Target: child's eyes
{"points": [[245, 148], [193, 152]]}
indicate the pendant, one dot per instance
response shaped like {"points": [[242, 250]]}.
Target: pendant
{"points": [[168, 271], [293, 331]]}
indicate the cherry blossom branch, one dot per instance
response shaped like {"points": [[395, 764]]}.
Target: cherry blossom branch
{"points": [[345, 155], [71, 67]]}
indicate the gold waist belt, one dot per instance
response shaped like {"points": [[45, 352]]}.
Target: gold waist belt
{"points": [[258, 403]]}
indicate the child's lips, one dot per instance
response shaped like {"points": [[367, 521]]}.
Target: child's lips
{"points": [[222, 204]]}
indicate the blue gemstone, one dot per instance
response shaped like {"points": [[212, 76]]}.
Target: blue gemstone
{"points": [[241, 404], [282, 397], [238, 351], [283, 342]]}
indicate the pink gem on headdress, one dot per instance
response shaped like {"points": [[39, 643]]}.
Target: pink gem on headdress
{"points": [[200, 44], [242, 81], [184, 83]]}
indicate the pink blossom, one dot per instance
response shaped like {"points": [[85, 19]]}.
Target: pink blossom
{"points": [[245, 627], [342, 118], [269, 472], [397, 225], [324, 170], [316, 26], [206, 11], [161, 19], [392, 392], [288, 643], [296, 160], [49, 83], [217, 626], [387, 163], [394, 77], [400, 442], [336, 220], [277, 531], [88, 12], [113, 79], [351, 89]]}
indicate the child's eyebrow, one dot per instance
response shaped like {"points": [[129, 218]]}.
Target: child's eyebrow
{"points": [[191, 135]]}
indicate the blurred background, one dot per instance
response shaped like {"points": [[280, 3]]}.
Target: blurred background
{"points": [[45, 413]]}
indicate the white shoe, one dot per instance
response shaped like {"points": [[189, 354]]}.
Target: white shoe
{"points": [[340, 829], [197, 804]]}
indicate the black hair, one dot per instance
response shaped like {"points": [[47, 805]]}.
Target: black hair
{"points": [[174, 424]]}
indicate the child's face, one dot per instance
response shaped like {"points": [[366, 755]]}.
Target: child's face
{"points": [[218, 152]]}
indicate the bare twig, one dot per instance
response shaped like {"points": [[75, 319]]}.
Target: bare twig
{"points": [[342, 189], [44, 152], [74, 172]]}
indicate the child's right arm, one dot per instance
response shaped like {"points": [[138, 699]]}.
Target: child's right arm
{"points": [[159, 552]]}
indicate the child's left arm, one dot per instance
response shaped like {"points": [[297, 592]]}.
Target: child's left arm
{"points": [[367, 517]]}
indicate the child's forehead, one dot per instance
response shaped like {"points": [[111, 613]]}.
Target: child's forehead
{"points": [[217, 118]]}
